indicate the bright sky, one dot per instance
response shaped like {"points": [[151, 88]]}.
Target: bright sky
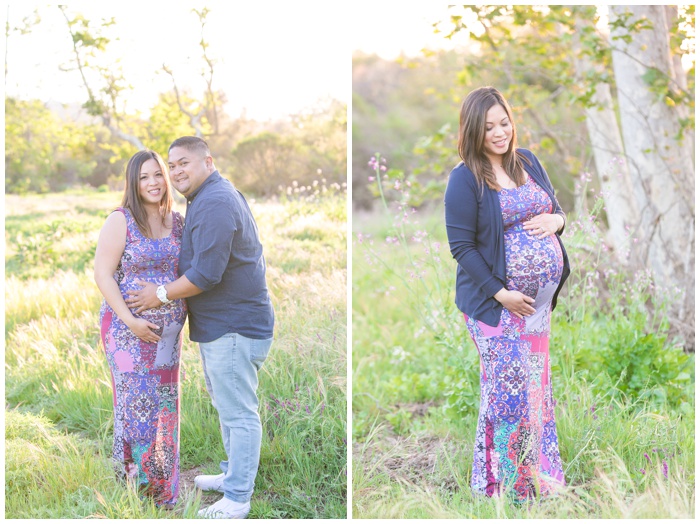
{"points": [[390, 28], [273, 58]]}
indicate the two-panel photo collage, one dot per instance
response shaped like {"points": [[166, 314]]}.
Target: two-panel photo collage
{"points": [[318, 260]]}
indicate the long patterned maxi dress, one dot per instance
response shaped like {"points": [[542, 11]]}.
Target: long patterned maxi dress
{"points": [[516, 449], [146, 376]]}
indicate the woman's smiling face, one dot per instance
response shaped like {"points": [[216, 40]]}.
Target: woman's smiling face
{"points": [[152, 182], [499, 132]]}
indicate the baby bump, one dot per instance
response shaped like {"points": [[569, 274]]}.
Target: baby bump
{"points": [[533, 266], [173, 313]]}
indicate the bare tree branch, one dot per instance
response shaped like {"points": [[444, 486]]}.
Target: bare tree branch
{"points": [[97, 107], [195, 119], [210, 95]]}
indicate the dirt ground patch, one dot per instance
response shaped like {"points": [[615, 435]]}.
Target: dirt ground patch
{"points": [[410, 458], [417, 409], [187, 486]]}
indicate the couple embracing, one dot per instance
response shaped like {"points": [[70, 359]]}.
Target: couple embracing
{"points": [[154, 268]]}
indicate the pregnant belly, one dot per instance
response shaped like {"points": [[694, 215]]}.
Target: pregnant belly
{"points": [[533, 267], [163, 315]]}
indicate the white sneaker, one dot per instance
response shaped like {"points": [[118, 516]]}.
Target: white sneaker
{"points": [[225, 509], [210, 482]]}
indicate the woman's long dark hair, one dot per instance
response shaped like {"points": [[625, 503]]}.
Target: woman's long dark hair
{"points": [[472, 130], [132, 199]]}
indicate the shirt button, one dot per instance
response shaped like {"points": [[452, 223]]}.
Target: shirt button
{"points": [[189, 201]]}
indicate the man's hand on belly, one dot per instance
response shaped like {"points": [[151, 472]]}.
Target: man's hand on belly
{"points": [[144, 298]]}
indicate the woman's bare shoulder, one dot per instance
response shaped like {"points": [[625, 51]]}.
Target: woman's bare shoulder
{"points": [[115, 221]]}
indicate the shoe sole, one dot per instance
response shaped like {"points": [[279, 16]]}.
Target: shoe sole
{"points": [[220, 490], [222, 517]]}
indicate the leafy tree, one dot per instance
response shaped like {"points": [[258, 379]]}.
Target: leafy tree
{"points": [[322, 129], [262, 161], [26, 26], [395, 105], [309, 146], [259, 156], [165, 123], [43, 153]]}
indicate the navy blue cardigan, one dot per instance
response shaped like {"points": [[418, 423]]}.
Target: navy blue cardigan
{"points": [[475, 233]]}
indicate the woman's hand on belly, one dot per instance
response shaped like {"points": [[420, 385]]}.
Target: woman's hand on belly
{"points": [[544, 225], [515, 302], [143, 329]]}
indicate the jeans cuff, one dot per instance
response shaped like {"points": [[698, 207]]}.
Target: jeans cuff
{"points": [[242, 499]]}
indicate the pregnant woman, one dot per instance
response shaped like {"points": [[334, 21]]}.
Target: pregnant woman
{"points": [[140, 241], [503, 223]]}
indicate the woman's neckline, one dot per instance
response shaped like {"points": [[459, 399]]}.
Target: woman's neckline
{"points": [[172, 229], [527, 179]]}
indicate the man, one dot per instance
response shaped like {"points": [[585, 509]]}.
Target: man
{"points": [[222, 275]]}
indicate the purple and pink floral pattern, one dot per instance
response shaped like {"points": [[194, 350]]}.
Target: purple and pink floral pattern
{"points": [[146, 376], [516, 451]]}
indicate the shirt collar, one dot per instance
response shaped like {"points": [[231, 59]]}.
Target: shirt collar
{"points": [[211, 179]]}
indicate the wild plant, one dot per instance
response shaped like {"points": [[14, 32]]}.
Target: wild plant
{"points": [[419, 262], [318, 196], [612, 322]]}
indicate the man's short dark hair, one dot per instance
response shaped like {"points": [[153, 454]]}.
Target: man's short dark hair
{"points": [[193, 144]]}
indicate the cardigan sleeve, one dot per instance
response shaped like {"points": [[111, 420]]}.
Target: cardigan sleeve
{"points": [[461, 221]]}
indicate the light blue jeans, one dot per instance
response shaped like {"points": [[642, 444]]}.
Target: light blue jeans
{"points": [[231, 364]]}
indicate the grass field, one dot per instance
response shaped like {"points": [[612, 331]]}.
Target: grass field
{"points": [[58, 414], [625, 409]]}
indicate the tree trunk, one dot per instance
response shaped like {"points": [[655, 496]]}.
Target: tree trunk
{"points": [[608, 151], [680, 79], [661, 169]]}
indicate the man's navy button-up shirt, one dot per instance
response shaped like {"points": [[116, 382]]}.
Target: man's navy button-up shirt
{"points": [[222, 255]]}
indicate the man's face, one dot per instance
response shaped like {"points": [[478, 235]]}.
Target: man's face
{"points": [[188, 169]]}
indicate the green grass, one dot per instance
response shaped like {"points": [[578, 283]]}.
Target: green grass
{"points": [[415, 393], [57, 383]]}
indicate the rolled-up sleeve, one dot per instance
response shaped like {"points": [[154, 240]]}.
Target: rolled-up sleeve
{"points": [[212, 242]]}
